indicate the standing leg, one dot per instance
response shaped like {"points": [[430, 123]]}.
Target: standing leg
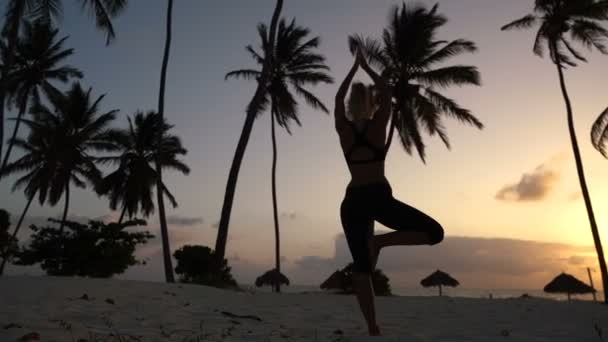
{"points": [[358, 229]]}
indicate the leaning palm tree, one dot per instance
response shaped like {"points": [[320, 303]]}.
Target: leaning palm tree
{"points": [[103, 11], [599, 133], [130, 186], [408, 57], [581, 20], [295, 64], [257, 105], [162, 217], [37, 65]]}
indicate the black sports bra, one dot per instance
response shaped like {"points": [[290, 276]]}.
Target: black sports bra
{"points": [[379, 154]]}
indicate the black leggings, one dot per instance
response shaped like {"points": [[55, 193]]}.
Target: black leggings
{"points": [[365, 204]]}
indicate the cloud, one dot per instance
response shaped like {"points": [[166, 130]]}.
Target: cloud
{"points": [[185, 221], [575, 196], [476, 262], [533, 186]]}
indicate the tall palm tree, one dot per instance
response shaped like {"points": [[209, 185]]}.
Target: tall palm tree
{"points": [[162, 217], [39, 162], [408, 57], [48, 11], [599, 133], [295, 65], [257, 105], [58, 148], [130, 186], [39, 54], [581, 19]]}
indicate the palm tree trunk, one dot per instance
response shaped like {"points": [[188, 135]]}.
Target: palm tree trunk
{"points": [[14, 235], [274, 198], [12, 42], [122, 215], [65, 209], [164, 230], [252, 112], [583, 182], [392, 127], [11, 142]]}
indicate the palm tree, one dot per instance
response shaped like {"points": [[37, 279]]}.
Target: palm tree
{"points": [[257, 105], [48, 11], [35, 67], [295, 64], [162, 218], [581, 19], [599, 133], [57, 150], [130, 186], [40, 163], [408, 57]]}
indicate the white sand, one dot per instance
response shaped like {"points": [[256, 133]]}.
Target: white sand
{"points": [[160, 312]]}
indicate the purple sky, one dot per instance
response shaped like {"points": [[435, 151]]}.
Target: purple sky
{"points": [[515, 179]]}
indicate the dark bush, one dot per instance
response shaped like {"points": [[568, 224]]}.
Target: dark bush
{"points": [[96, 249], [196, 265]]}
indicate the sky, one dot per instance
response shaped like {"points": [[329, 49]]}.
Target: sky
{"points": [[508, 193]]}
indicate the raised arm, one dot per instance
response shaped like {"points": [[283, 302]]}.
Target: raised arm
{"points": [[384, 96], [339, 109]]}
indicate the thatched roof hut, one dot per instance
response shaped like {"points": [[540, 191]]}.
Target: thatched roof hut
{"points": [[335, 281], [439, 279], [271, 278], [568, 284]]}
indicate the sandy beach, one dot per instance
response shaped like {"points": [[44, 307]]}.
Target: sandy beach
{"points": [[70, 309]]}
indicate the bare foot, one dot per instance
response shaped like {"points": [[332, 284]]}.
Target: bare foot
{"points": [[375, 331]]}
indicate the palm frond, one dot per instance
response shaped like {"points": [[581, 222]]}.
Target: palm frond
{"points": [[451, 108], [247, 74], [103, 14], [599, 133], [448, 76], [590, 34], [453, 48], [522, 23], [311, 99]]}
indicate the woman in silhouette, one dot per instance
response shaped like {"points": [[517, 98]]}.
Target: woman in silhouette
{"points": [[362, 131]]}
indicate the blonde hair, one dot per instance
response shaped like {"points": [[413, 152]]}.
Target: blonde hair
{"points": [[361, 102]]}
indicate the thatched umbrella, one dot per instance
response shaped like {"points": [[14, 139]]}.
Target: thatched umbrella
{"points": [[335, 281], [565, 283], [439, 279], [271, 278]]}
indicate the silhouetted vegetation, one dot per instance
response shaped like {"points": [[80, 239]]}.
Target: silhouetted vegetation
{"points": [[130, 187], [272, 278], [343, 280], [38, 57], [599, 133], [196, 265], [582, 21], [47, 13], [57, 152], [8, 244], [257, 105], [95, 249], [408, 57], [294, 64], [160, 187]]}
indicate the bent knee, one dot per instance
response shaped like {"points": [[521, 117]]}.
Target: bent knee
{"points": [[437, 235]]}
